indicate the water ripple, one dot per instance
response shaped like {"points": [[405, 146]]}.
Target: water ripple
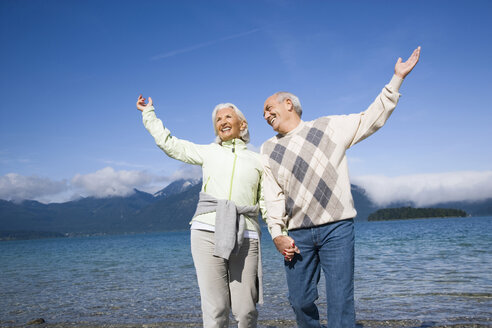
{"points": [[424, 270]]}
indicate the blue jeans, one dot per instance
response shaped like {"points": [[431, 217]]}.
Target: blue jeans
{"points": [[330, 247]]}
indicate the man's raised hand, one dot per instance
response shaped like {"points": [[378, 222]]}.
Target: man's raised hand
{"points": [[403, 68]]}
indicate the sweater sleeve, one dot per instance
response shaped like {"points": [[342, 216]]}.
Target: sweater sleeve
{"points": [[356, 127], [181, 150], [274, 202], [261, 198]]}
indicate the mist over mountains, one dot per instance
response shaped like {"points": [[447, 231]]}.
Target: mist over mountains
{"points": [[168, 209]]}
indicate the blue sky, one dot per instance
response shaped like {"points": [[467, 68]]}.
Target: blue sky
{"points": [[71, 72]]}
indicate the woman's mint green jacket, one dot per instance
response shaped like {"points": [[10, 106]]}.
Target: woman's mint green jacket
{"points": [[230, 170]]}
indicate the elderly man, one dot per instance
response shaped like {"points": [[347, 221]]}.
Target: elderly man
{"points": [[308, 198]]}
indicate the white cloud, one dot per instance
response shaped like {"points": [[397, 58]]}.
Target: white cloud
{"points": [[124, 164], [187, 171], [428, 189], [17, 187], [422, 189], [108, 182]]}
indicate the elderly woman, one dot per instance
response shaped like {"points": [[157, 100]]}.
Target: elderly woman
{"points": [[225, 233]]}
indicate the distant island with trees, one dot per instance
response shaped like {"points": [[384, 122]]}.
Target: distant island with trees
{"points": [[405, 213]]}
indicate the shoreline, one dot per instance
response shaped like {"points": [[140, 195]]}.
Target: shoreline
{"points": [[404, 323]]}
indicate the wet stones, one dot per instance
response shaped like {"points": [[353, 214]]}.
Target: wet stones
{"points": [[38, 321]]}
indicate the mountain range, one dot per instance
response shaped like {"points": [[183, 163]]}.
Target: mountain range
{"points": [[169, 209]]}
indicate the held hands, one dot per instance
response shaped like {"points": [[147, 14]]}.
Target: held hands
{"points": [[402, 69], [286, 246], [141, 103]]}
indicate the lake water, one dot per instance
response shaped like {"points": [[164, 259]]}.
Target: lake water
{"points": [[434, 270]]}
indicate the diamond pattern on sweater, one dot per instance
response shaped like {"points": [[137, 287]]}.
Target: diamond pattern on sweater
{"points": [[300, 169], [314, 136], [322, 193], [278, 153], [301, 164]]}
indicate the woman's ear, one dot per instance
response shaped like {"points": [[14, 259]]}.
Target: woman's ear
{"points": [[243, 126]]}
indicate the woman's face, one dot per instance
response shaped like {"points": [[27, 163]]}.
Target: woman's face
{"points": [[228, 124]]}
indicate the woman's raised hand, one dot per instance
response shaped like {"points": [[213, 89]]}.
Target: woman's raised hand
{"points": [[141, 105]]}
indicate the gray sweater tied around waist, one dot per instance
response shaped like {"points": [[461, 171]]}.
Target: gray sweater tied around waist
{"points": [[229, 222], [229, 228]]}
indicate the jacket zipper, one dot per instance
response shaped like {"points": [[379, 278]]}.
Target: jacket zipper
{"points": [[233, 166], [206, 183]]}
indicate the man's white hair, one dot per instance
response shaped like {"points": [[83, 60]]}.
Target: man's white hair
{"points": [[283, 95], [244, 134]]}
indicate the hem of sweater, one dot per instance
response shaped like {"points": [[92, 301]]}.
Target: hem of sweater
{"points": [[321, 224]]}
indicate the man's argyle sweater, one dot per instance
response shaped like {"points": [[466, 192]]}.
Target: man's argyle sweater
{"points": [[306, 180]]}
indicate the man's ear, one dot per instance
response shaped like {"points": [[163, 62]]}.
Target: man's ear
{"points": [[290, 105]]}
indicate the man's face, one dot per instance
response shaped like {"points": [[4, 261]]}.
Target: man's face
{"points": [[277, 113], [228, 124]]}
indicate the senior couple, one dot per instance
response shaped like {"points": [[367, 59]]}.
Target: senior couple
{"points": [[300, 184]]}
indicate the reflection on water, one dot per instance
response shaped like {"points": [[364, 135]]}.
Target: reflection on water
{"points": [[435, 270]]}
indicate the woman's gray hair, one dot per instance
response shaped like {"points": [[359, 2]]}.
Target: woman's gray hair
{"points": [[282, 95], [244, 134]]}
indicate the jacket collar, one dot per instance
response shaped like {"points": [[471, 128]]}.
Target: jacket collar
{"points": [[237, 144]]}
